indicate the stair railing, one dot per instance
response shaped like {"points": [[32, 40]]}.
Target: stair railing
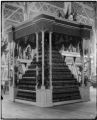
{"points": [[74, 70]]}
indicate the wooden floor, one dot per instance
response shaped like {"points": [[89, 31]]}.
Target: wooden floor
{"points": [[75, 111]]}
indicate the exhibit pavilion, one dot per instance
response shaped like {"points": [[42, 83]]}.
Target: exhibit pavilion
{"points": [[49, 54]]}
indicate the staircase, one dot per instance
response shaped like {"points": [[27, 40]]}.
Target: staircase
{"points": [[65, 86], [27, 85]]}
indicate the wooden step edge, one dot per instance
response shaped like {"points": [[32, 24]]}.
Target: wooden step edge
{"points": [[29, 69], [65, 81], [67, 101], [25, 100], [65, 86], [26, 90], [28, 77]]}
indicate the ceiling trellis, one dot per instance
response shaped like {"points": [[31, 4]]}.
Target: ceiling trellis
{"points": [[14, 11]]}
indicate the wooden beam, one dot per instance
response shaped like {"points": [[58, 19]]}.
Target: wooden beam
{"points": [[12, 14], [14, 5], [16, 22]]}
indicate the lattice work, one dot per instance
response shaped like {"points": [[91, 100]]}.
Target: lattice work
{"points": [[89, 3], [52, 9], [90, 13], [83, 19], [18, 16], [32, 14], [45, 7], [81, 15], [58, 4], [8, 10], [19, 4], [8, 23], [38, 5], [78, 8], [35, 6], [11, 7]]}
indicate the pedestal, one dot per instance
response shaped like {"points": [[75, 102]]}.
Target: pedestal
{"points": [[85, 93], [12, 93], [44, 97]]}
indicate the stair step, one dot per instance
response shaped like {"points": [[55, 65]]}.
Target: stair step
{"points": [[62, 95], [25, 90], [64, 90], [64, 81], [67, 99], [26, 99], [33, 69], [26, 87], [66, 87], [62, 77], [28, 77], [26, 94], [63, 84], [27, 83]]}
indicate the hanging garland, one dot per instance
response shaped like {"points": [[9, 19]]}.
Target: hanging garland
{"points": [[23, 42], [60, 39], [32, 41], [66, 42], [80, 46], [57, 41], [16, 50]]}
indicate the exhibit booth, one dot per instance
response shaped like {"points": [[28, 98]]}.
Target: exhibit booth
{"points": [[50, 61]]}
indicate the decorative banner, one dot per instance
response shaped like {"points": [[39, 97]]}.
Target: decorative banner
{"points": [[78, 60], [10, 36], [67, 8], [86, 46], [69, 60]]}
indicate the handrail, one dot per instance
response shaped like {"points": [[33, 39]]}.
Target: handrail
{"points": [[74, 70]]}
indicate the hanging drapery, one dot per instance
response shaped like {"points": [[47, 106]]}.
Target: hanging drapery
{"points": [[32, 41], [69, 42]]}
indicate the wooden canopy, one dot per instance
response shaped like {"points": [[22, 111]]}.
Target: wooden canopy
{"points": [[43, 22]]}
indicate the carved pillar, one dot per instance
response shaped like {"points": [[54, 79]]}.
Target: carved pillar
{"points": [[43, 60], [50, 57], [36, 59], [13, 29], [26, 11], [83, 63], [89, 60], [11, 66]]}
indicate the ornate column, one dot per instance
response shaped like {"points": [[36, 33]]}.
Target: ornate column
{"points": [[50, 58], [36, 59], [44, 96], [26, 11], [43, 87], [83, 63], [11, 66], [89, 58], [13, 30]]}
